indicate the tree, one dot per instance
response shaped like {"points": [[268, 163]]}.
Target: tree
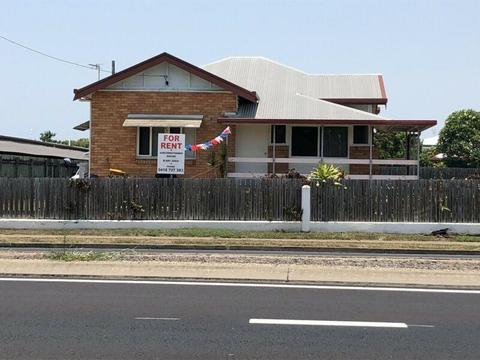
{"points": [[391, 145], [459, 139], [47, 136], [426, 156]]}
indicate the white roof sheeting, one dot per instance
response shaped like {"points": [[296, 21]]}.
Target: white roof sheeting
{"points": [[298, 106], [36, 148], [285, 92]]}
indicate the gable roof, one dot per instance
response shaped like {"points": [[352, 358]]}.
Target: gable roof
{"points": [[291, 96], [264, 76], [165, 57]]}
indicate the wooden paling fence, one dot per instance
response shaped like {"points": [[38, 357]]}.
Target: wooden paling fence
{"points": [[239, 199], [403, 201], [151, 199]]}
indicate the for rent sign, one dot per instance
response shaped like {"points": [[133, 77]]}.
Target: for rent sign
{"points": [[171, 154]]}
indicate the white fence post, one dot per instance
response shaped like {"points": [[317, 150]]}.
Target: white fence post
{"points": [[305, 208]]}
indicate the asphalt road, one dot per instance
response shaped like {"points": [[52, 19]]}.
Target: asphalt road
{"points": [[162, 320]]}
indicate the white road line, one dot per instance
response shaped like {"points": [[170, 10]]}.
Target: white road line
{"points": [[157, 318], [425, 326], [329, 323], [250, 285]]}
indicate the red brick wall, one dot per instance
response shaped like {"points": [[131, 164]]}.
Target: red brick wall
{"points": [[362, 152], [281, 151], [114, 146]]}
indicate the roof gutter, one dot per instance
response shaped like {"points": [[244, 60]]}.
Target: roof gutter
{"points": [[423, 124], [355, 101]]}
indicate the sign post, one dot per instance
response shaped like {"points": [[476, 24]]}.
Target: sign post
{"points": [[171, 154]]}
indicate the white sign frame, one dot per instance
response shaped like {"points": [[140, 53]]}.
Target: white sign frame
{"points": [[171, 154]]}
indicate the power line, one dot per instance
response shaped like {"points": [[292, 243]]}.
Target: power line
{"points": [[51, 56]]}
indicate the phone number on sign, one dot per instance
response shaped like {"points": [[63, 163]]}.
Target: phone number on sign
{"points": [[162, 170]]}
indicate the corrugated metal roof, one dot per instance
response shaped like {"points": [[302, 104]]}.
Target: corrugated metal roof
{"points": [[257, 73], [285, 92], [298, 106], [13, 145]]}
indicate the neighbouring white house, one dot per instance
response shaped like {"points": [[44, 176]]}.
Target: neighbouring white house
{"points": [[281, 118]]}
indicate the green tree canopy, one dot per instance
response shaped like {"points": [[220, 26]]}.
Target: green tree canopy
{"points": [[460, 139], [48, 136], [391, 145]]}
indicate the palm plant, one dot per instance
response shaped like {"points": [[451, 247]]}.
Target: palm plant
{"points": [[324, 173]]}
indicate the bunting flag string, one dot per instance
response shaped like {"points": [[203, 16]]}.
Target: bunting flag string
{"points": [[208, 144]]}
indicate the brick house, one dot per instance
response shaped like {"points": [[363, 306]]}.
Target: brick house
{"points": [[280, 117]]}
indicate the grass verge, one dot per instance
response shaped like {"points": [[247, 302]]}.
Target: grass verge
{"points": [[69, 256], [239, 239], [235, 234]]}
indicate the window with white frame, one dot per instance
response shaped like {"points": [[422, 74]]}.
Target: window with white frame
{"points": [[147, 140], [360, 135], [327, 141], [305, 141], [280, 133], [335, 141]]}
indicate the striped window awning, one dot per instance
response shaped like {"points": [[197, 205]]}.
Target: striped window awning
{"points": [[161, 120]]}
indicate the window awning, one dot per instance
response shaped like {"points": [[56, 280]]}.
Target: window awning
{"points": [[83, 126], [161, 120]]}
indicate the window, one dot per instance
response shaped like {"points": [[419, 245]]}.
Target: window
{"points": [[148, 139], [335, 139], [280, 134], [304, 141], [360, 135], [155, 132], [144, 141]]}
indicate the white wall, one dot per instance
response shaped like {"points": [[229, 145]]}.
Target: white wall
{"points": [[153, 79], [251, 141]]}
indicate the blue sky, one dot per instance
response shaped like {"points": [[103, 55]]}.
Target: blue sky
{"points": [[428, 51]]}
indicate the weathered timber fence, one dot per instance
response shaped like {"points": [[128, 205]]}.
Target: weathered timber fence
{"points": [[402, 201], [239, 199], [151, 199]]}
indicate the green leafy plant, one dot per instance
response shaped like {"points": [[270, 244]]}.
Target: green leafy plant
{"points": [[218, 161], [426, 158], [69, 256], [81, 184], [325, 173], [292, 213]]}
